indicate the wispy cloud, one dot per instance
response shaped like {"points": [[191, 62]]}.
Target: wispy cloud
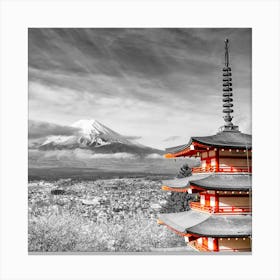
{"points": [[39, 129], [148, 82], [78, 154], [132, 137], [171, 138]]}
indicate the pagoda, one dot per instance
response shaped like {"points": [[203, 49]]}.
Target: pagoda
{"points": [[221, 219]]}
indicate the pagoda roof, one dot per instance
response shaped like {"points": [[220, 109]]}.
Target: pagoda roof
{"points": [[224, 226], [223, 139], [183, 183], [205, 224], [183, 220], [227, 182]]}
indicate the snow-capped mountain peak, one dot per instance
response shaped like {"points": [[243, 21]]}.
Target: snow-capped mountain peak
{"points": [[95, 136], [95, 132]]}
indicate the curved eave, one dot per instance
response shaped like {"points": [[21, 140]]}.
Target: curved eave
{"points": [[226, 139], [204, 224], [182, 220], [187, 152], [181, 184], [230, 140], [178, 151], [224, 145], [224, 226], [227, 182]]}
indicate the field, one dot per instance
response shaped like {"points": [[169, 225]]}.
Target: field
{"points": [[97, 214]]}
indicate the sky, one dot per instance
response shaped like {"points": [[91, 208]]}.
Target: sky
{"points": [[159, 86]]}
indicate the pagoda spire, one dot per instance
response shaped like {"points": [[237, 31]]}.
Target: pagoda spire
{"points": [[227, 93]]}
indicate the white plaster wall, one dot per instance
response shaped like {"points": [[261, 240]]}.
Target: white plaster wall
{"points": [[202, 199], [213, 162], [203, 163], [212, 201], [210, 243]]}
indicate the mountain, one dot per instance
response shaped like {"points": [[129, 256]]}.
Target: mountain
{"points": [[94, 136]]}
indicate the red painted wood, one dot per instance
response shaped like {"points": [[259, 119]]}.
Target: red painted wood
{"points": [[216, 245], [205, 241]]}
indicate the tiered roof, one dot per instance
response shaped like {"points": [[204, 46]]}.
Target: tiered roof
{"points": [[225, 139], [214, 223], [211, 181], [205, 224], [225, 182]]}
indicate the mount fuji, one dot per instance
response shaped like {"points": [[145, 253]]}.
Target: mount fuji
{"points": [[95, 136]]}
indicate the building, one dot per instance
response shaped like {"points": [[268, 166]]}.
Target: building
{"points": [[222, 218]]}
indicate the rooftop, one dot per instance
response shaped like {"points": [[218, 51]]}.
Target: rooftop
{"points": [[223, 139], [227, 182], [183, 220], [183, 183], [224, 226], [205, 224], [210, 181]]}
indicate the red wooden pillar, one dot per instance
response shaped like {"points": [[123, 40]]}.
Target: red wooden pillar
{"points": [[205, 242], [216, 244], [207, 199], [216, 202], [217, 160]]}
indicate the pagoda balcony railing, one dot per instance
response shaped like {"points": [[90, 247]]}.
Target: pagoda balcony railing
{"points": [[229, 169], [198, 247], [226, 210]]}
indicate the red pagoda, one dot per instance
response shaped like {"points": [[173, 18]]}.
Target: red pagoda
{"points": [[222, 218]]}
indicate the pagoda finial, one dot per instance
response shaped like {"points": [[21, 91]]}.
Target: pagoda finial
{"points": [[227, 93], [226, 52]]}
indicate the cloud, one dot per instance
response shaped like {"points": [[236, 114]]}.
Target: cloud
{"points": [[132, 137], [86, 154], [154, 156], [78, 154], [172, 138], [140, 81], [39, 129]]}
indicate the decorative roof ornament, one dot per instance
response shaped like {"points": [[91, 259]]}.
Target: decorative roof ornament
{"points": [[227, 93]]}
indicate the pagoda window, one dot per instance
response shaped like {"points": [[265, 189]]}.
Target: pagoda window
{"points": [[204, 155], [235, 161], [235, 244], [235, 153], [234, 201], [234, 164], [212, 154], [235, 204]]}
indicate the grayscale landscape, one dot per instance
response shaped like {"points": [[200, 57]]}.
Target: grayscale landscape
{"points": [[103, 104], [82, 199]]}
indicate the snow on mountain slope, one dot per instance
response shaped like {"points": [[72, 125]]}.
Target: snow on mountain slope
{"points": [[93, 131], [97, 137]]}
